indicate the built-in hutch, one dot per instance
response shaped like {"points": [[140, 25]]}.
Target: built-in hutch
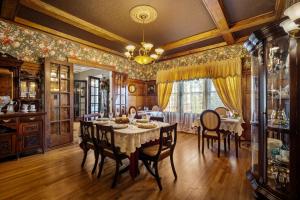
{"points": [[21, 119]]}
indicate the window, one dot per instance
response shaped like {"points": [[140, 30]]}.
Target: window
{"points": [[174, 100], [94, 97], [213, 99], [193, 96]]}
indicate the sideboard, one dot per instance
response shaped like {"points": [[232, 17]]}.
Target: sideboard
{"points": [[21, 133]]}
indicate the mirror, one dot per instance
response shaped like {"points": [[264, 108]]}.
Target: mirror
{"points": [[7, 83]]}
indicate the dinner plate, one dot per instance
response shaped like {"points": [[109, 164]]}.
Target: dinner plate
{"points": [[102, 119], [120, 126]]}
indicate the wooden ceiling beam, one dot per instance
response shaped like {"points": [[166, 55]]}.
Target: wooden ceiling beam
{"points": [[9, 9], [243, 24], [192, 39], [197, 50], [61, 15], [253, 21], [216, 11], [66, 36]]}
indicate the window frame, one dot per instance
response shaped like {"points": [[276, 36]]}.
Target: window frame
{"points": [[90, 94]]}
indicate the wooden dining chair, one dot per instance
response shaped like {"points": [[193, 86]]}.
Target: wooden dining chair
{"points": [[89, 117], [105, 143], [222, 111], [151, 155], [159, 119], [87, 143], [210, 123]]}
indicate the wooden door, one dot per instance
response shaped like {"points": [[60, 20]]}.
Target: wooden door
{"points": [[120, 94], [58, 102]]}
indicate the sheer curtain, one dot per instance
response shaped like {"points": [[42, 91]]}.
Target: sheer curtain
{"points": [[188, 99]]}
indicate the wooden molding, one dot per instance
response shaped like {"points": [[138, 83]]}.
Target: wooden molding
{"points": [[279, 7], [216, 12], [192, 39], [91, 64], [66, 36], [180, 54], [9, 9], [61, 15], [242, 39]]}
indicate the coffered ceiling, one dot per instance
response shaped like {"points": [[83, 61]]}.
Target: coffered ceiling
{"points": [[182, 26]]}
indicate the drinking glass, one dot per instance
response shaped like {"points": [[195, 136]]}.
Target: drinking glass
{"points": [[101, 114], [110, 115]]}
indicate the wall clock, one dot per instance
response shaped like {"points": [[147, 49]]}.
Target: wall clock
{"points": [[131, 88]]}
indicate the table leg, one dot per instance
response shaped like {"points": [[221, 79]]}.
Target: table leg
{"points": [[236, 145], [133, 167]]}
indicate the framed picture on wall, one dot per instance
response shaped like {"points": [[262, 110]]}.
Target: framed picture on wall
{"points": [[131, 88], [151, 90]]}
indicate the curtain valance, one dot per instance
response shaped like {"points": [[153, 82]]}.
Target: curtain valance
{"points": [[213, 70]]}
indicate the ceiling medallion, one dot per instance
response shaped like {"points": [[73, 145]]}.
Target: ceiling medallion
{"points": [[143, 14]]}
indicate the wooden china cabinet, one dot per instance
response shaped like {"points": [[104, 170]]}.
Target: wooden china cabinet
{"points": [[58, 102], [21, 131], [120, 94], [275, 105]]}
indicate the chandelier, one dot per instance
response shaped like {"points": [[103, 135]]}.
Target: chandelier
{"points": [[144, 55]]}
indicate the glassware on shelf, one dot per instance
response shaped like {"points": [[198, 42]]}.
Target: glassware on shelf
{"points": [[32, 89], [23, 89]]}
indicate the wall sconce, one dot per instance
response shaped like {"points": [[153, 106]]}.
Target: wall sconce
{"points": [[292, 25]]}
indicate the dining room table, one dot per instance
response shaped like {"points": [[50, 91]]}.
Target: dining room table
{"points": [[130, 137], [232, 126]]}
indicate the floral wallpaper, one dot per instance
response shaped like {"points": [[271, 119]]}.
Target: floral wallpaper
{"points": [[221, 53], [30, 45]]}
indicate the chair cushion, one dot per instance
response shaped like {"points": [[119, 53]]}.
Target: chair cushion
{"points": [[214, 134], [152, 150]]}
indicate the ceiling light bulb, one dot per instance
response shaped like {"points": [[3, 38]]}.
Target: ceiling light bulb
{"points": [[127, 54], [154, 56], [289, 25], [293, 12], [130, 48], [147, 46], [159, 51]]}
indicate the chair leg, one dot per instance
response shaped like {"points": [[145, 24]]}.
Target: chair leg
{"points": [[85, 152], [225, 149], [157, 176], [203, 144], [219, 141], [207, 140], [173, 167], [96, 153], [212, 143], [228, 141], [116, 174], [147, 165], [101, 166], [198, 141], [236, 145]]}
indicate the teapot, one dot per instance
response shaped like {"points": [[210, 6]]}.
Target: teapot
{"points": [[10, 107]]}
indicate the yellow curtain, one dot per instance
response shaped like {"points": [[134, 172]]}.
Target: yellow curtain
{"points": [[164, 91], [217, 69], [226, 76], [230, 92]]}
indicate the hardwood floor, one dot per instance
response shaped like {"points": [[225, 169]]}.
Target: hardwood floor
{"points": [[57, 175]]}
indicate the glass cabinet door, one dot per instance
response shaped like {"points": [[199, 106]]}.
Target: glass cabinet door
{"points": [[278, 111], [256, 59], [80, 98], [60, 106]]}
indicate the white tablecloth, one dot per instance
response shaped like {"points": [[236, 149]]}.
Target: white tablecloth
{"points": [[227, 124], [128, 139]]}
